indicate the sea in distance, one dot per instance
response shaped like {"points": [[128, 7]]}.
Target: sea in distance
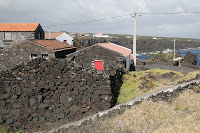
{"points": [[182, 52]]}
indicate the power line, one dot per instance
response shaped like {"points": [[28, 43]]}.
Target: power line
{"points": [[171, 13], [164, 13], [94, 20], [140, 5]]}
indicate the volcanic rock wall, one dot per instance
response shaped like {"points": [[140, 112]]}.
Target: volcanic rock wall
{"points": [[44, 91]]}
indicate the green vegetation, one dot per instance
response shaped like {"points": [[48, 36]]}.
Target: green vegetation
{"points": [[197, 89], [3, 130], [138, 83], [179, 116]]}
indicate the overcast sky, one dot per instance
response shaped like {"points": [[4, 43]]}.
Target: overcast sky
{"points": [[71, 11]]}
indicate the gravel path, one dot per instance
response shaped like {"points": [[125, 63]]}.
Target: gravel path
{"points": [[181, 69]]}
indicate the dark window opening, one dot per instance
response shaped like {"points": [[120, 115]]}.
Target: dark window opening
{"points": [[7, 36], [65, 41], [46, 56], [6, 43], [33, 56], [39, 35]]}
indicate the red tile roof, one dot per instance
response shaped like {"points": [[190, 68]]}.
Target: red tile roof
{"points": [[116, 48], [53, 45], [18, 26]]}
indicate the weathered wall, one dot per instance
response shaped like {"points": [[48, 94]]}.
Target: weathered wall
{"points": [[111, 60], [16, 37], [21, 36], [165, 94], [16, 54], [43, 91]]}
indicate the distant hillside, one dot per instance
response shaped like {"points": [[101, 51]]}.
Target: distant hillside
{"points": [[143, 44]]}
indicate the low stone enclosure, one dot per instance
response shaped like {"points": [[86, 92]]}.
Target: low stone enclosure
{"points": [[165, 94], [40, 93]]}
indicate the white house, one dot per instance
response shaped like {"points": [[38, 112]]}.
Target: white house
{"points": [[60, 36], [100, 35]]}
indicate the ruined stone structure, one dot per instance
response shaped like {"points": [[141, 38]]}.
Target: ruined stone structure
{"points": [[47, 91], [11, 33]]}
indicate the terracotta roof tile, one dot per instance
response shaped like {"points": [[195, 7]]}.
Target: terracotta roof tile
{"points": [[18, 26], [53, 45], [116, 48], [54, 35]]}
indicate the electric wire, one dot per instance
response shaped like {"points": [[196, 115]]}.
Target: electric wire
{"points": [[94, 20], [130, 14], [171, 13], [140, 5]]}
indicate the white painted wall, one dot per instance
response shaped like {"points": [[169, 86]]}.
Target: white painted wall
{"points": [[67, 37]]}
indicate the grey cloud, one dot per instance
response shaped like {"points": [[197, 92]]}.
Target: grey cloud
{"points": [[69, 11]]}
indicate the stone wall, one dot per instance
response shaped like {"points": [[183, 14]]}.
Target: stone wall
{"points": [[16, 54], [44, 92], [111, 59], [16, 37], [165, 94]]}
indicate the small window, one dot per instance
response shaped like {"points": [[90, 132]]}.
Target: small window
{"points": [[65, 41], [6, 44], [99, 65], [33, 56], [46, 56], [7, 36]]}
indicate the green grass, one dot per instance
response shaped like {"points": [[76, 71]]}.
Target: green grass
{"points": [[3, 130], [151, 80]]}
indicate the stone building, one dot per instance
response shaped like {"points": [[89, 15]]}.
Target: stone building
{"points": [[60, 36], [11, 33], [49, 91], [103, 56], [31, 49]]}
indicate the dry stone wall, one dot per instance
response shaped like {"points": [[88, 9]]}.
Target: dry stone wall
{"points": [[86, 124], [48, 91], [19, 53]]}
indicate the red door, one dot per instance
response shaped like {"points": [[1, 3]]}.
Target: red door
{"points": [[99, 65]]}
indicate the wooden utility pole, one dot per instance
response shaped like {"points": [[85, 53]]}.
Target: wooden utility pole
{"points": [[134, 40], [49, 31]]}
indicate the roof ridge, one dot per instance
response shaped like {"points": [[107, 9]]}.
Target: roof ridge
{"points": [[116, 48], [120, 46]]}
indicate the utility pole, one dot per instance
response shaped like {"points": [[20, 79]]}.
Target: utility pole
{"points": [[134, 40], [49, 31], [174, 48]]}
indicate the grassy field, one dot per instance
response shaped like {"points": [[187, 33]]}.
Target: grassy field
{"points": [[180, 116], [138, 83]]}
